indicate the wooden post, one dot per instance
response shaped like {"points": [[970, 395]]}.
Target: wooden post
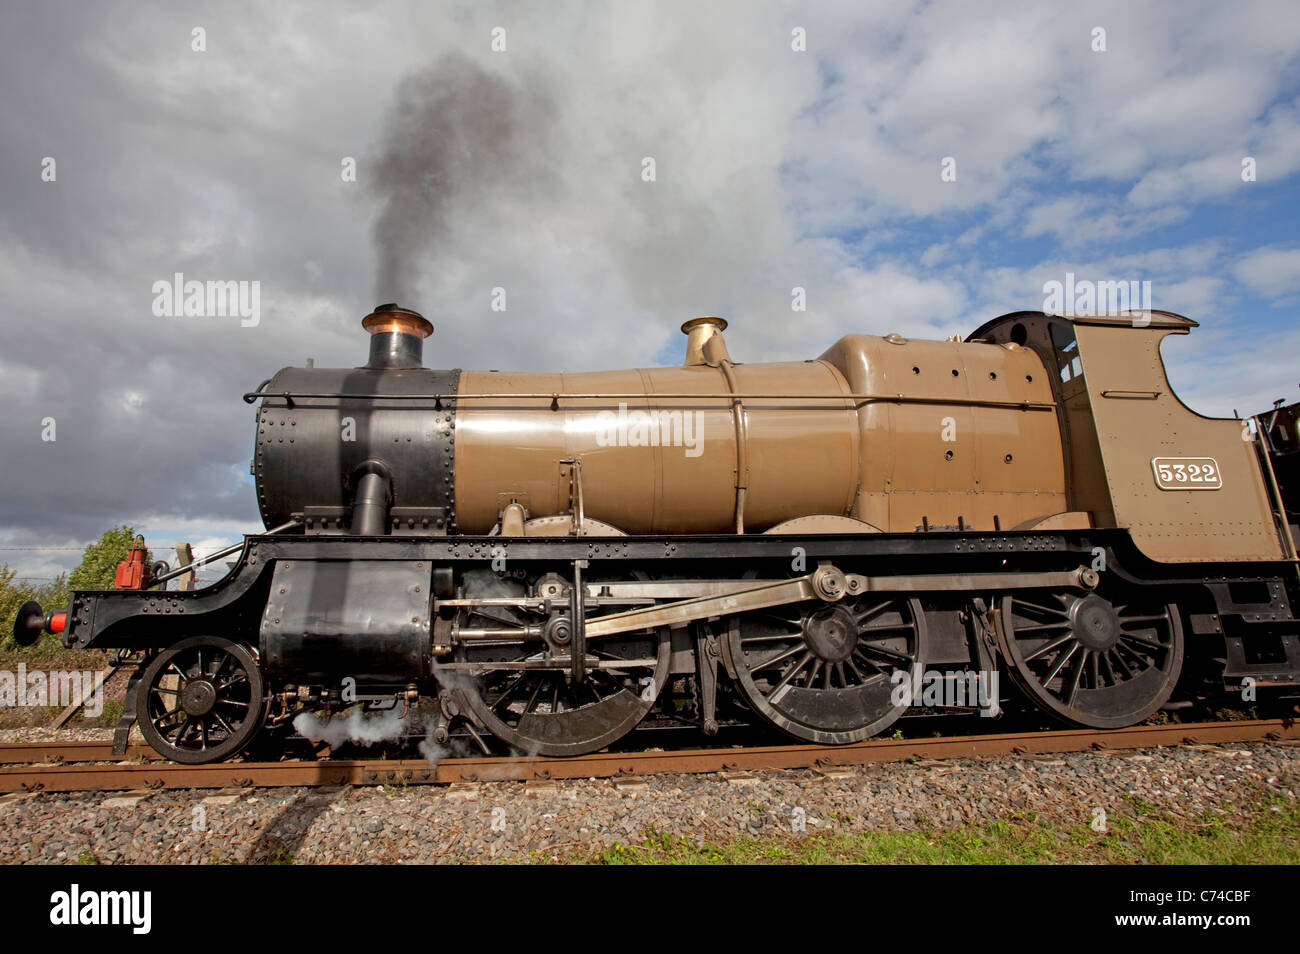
{"points": [[184, 557], [87, 692]]}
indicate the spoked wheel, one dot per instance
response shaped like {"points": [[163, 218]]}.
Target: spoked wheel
{"points": [[1089, 661], [827, 674], [544, 711], [200, 700]]}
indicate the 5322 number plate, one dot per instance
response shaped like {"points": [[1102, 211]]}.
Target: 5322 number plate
{"points": [[1187, 473]]}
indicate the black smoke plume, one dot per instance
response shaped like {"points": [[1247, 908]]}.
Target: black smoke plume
{"points": [[456, 136]]}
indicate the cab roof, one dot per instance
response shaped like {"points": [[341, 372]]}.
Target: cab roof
{"points": [[1159, 319]]}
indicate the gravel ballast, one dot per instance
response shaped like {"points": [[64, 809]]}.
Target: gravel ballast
{"points": [[542, 821]]}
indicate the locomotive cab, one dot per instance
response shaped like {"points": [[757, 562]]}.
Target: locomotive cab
{"points": [[1189, 488]]}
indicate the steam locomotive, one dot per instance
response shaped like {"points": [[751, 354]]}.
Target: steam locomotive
{"points": [[548, 559]]}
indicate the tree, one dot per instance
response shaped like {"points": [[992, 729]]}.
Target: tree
{"points": [[15, 592], [54, 595], [95, 572], [99, 562]]}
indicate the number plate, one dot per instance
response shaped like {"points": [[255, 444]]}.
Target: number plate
{"points": [[1187, 473]]}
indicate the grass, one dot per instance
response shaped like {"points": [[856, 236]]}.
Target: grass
{"points": [[112, 713], [1268, 833], [47, 654]]}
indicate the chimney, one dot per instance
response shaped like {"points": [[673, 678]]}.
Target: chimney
{"points": [[698, 332], [396, 337]]}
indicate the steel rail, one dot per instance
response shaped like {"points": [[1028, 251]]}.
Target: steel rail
{"points": [[20, 753], [125, 776]]}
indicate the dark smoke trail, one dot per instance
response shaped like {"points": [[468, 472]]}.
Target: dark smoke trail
{"points": [[454, 133]]}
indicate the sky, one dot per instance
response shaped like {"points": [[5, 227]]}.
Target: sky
{"points": [[918, 169]]}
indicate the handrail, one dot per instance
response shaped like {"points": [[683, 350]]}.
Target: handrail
{"points": [[554, 397], [233, 548]]}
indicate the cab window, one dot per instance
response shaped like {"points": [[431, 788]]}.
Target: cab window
{"points": [[1068, 362]]}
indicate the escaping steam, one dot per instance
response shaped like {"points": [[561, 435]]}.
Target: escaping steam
{"points": [[434, 753], [485, 584], [455, 135], [354, 728]]}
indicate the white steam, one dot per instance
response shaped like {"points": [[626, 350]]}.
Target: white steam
{"points": [[354, 728]]}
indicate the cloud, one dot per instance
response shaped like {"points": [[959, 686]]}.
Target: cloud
{"points": [[774, 169], [1205, 369], [1082, 219], [1271, 272], [1270, 150]]}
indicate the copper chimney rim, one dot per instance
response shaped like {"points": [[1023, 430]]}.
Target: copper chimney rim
{"points": [[396, 337], [392, 317]]}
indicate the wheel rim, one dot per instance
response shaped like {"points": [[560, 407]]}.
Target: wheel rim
{"points": [[1091, 662], [827, 675], [200, 700], [543, 711]]}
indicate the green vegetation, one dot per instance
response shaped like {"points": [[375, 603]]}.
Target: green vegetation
{"points": [[95, 572], [112, 713], [281, 856], [14, 592], [1268, 833], [99, 562]]}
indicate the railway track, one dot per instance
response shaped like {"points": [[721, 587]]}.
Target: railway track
{"points": [[81, 766], [20, 753]]}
